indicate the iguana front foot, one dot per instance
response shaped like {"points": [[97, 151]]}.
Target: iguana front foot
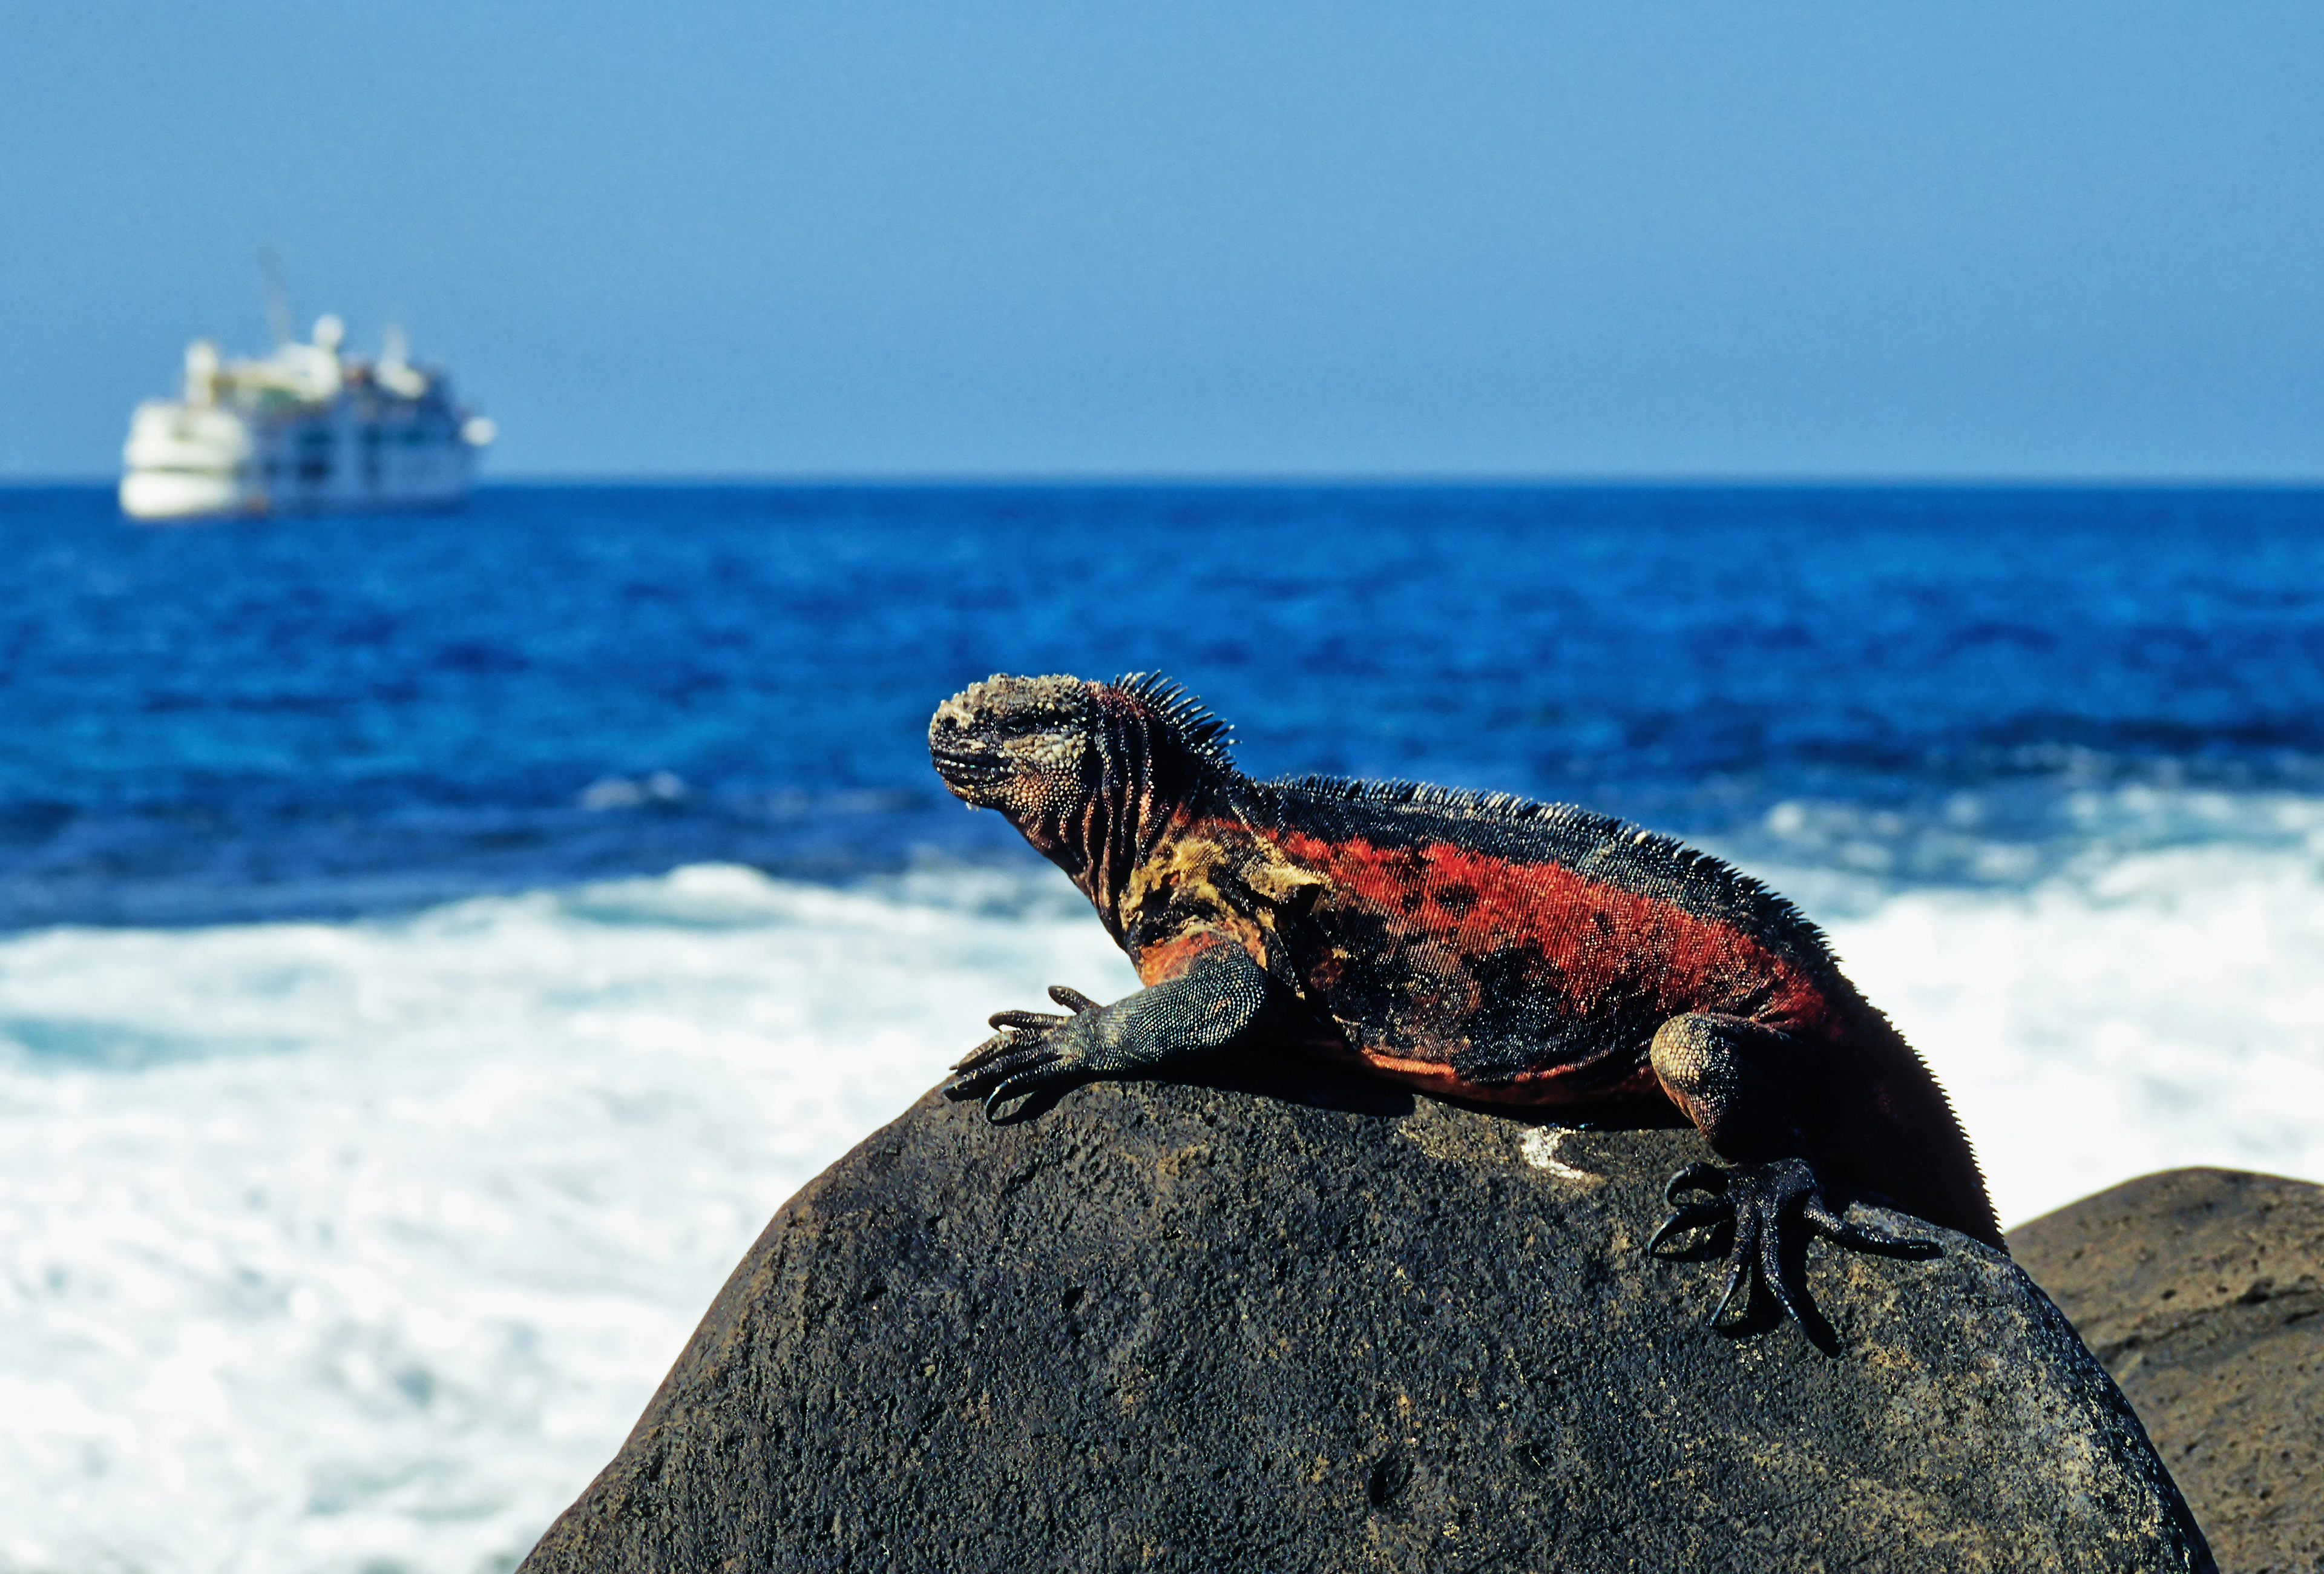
{"points": [[1774, 1206], [1027, 1051], [1204, 1008]]}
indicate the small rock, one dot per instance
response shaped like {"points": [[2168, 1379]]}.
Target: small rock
{"points": [[1314, 1322], [2203, 1292]]}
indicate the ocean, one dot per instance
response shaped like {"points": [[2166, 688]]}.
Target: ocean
{"points": [[431, 946]]}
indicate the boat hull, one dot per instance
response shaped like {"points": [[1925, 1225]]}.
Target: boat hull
{"points": [[186, 494]]}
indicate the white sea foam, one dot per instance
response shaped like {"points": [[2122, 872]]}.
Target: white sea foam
{"points": [[359, 1247], [2154, 1010]]}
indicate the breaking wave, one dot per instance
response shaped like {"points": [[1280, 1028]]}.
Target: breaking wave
{"points": [[359, 1245]]}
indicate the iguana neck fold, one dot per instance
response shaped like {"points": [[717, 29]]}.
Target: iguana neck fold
{"points": [[1145, 778]]}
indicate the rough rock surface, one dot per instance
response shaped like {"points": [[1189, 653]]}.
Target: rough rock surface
{"points": [[1315, 1323], [2203, 1292]]}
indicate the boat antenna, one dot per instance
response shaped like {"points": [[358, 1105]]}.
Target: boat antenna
{"points": [[278, 297]]}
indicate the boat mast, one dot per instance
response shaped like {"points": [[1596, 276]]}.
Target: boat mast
{"points": [[278, 297]]}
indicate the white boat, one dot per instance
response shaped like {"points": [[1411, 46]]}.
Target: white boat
{"points": [[304, 430]]}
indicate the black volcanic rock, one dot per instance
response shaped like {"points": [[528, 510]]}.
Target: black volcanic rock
{"points": [[2203, 1292], [1321, 1325]]}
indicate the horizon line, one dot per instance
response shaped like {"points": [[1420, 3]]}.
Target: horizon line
{"points": [[1127, 480]]}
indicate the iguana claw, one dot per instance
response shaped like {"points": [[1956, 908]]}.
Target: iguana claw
{"points": [[1766, 1204], [1018, 1058]]}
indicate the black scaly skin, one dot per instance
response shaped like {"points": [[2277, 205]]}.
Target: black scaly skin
{"points": [[1479, 945]]}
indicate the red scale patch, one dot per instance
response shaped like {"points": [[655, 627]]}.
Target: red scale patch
{"points": [[1600, 938]]}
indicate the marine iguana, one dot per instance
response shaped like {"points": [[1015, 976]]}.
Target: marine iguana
{"points": [[1479, 945]]}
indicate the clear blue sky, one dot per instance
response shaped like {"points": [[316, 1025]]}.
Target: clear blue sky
{"points": [[1628, 239]]}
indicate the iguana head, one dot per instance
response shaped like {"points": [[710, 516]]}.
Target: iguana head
{"points": [[1086, 771], [1037, 748], [1023, 745]]}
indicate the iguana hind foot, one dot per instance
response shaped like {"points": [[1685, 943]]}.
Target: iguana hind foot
{"points": [[1774, 1208]]}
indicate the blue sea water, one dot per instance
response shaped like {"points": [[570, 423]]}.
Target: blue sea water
{"points": [[430, 946], [349, 715]]}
